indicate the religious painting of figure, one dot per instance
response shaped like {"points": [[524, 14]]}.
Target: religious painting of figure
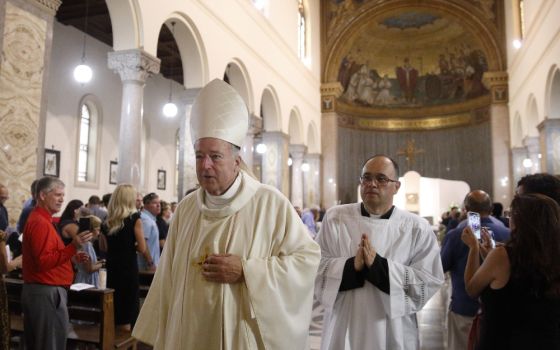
{"points": [[390, 62]]}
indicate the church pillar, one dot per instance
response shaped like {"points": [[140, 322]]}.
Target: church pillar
{"points": [[25, 44], [248, 149], [531, 144], [329, 142], [549, 135], [187, 162], [497, 83], [296, 189], [311, 181], [134, 67], [518, 154], [275, 171]]}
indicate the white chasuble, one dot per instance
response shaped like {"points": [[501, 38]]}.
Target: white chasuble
{"points": [[365, 317], [270, 309]]}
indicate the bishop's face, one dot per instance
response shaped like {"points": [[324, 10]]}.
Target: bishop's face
{"points": [[217, 165]]}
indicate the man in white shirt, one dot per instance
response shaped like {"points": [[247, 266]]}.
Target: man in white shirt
{"points": [[379, 266], [238, 266]]}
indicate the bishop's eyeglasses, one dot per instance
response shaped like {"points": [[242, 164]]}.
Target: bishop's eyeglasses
{"points": [[380, 179]]}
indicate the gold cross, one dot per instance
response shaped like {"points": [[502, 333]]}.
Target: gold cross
{"points": [[198, 262], [409, 152]]}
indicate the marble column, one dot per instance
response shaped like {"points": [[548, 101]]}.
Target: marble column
{"points": [[275, 170], [296, 189], [497, 83], [518, 171], [329, 142], [549, 135], [25, 44], [248, 149], [187, 162], [134, 67], [531, 144], [311, 181]]}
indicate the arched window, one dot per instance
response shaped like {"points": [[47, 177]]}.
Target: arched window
{"points": [[88, 141], [522, 18], [302, 49]]}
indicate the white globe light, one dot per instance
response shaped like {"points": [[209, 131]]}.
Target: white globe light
{"points": [[305, 167], [527, 162], [169, 110], [83, 74], [517, 44], [261, 148], [290, 161]]}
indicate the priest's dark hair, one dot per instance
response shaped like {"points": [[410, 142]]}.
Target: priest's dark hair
{"points": [[395, 165]]}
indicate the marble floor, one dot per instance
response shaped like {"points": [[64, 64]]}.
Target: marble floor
{"points": [[432, 322]]}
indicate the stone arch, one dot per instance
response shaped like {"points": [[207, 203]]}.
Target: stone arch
{"points": [[126, 24], [517, 131], [471, 18], [552, 93], [312, 139], [295, 128], [270, 109], [531, 117], [239, 79], [194, 59]]}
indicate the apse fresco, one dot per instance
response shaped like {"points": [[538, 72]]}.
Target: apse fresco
{"points": [[410, 59]]}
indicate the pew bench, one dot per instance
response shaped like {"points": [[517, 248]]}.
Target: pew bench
{"points": [[91, 314]]}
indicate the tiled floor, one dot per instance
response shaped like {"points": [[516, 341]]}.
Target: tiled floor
{"points": [[432, 323]]}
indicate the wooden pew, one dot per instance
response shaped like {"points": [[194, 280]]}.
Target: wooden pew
{"points": [[145, 280], [91, 314]]}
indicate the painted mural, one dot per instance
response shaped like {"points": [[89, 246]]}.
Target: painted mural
{"points": [[411, 59]]}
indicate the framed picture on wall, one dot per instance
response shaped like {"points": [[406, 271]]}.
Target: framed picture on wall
{"points": [[113, 172], [51, 166], [161, 179]]}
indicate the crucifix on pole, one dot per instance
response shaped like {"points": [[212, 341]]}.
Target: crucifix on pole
{"points": [[410, 152]]}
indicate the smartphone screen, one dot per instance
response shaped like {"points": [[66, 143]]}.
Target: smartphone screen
{"points": [[474, 223], [84, 225]]}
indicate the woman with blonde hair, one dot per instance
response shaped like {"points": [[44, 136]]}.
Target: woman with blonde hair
{"points": [[125, 237]]}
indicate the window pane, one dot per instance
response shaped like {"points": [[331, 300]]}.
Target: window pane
{"points": [[84, 144]]}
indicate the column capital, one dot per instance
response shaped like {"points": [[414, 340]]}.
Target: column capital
{"points": [[329, 93], [255, 124], [298, 151], [49, 6], [133, 65], [497, 83]]}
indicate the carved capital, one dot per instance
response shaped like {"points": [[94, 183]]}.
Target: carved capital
{"points": [[329, 93], [49, 6], [497, 83], [297, 151], [133, 65]]}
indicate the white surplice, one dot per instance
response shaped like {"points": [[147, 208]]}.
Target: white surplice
{"points": [[366, 317], [271, 309]]}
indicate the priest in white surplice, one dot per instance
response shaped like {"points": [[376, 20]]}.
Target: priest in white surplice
{"points": [[238, 265], [379, 266]]}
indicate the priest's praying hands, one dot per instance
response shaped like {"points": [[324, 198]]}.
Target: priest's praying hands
{"points": [[223, 268], [365, 255]]}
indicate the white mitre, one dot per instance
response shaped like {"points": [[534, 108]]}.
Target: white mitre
{"points": [[219, 112]]}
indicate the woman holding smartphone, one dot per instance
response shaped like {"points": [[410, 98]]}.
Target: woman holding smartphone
{"points": [[519, 283]]}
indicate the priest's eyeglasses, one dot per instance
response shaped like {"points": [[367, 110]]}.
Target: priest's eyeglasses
{"points": [[380, 179]]}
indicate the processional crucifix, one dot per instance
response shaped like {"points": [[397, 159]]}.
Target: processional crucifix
{"points": [[409, 152]]}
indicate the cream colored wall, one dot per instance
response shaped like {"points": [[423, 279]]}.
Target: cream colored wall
{"points": [[529, 67], [236, 30], [64, 96]]}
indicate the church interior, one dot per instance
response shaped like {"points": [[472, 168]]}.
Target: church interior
{"points": [[463, 93]]}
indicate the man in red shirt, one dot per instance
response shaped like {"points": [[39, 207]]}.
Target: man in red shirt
{"points": [[47, 270]]}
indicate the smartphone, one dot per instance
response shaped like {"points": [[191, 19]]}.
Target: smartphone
{"points": [[84, 225], [474, 223]]}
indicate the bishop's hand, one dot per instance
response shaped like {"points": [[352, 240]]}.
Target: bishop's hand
{"points": [[223, 268], [359, 259]]}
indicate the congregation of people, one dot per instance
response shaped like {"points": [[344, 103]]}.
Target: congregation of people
{"points": [[236, 266]]}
